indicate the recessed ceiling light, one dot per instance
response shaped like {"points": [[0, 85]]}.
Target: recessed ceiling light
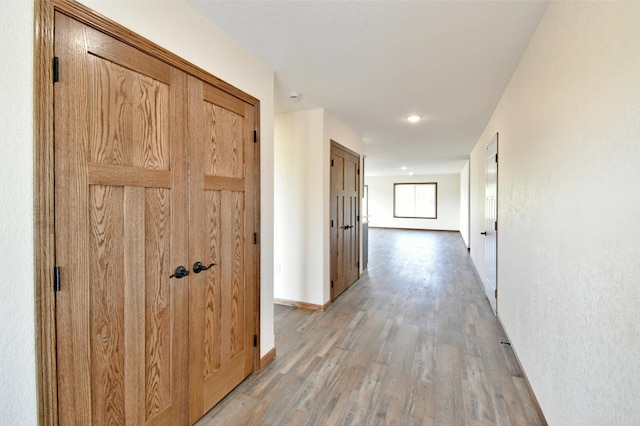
{"points": [[404, 167], [414, 118]]}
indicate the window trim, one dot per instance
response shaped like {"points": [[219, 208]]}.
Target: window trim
{"points": [[435, 184]]}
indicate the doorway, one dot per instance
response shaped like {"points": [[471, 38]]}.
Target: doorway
{"points": [[345, 218], [491, 223]]}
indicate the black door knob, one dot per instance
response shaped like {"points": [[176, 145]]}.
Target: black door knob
{"points": [[484, 233], [199, 267], [180, 272]]}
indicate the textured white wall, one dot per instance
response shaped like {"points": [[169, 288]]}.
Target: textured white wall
{"points": [[302, 179], [298, 215], [17, 335], [569, 260], [381, 202], [179, 28]]}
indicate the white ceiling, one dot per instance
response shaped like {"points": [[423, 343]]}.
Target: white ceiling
{"points": [[372, 63]]}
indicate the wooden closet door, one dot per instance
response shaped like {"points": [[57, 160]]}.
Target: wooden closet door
{"points": [[345, 220], [222, 299], [351, 217], [121, 217]]}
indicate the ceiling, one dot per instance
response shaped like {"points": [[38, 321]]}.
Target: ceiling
{"points": [[372, 63]]}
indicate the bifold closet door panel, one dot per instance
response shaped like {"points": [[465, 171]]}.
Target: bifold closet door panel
{"points": [[121, 189], [222, 298]]}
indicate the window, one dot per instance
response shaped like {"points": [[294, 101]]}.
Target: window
{"points": [[415, 200]]}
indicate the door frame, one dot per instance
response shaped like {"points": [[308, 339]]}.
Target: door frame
{"points": [[44, 189]]}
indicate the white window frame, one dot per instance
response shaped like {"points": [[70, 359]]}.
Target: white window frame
{"points": [[415, 211]]}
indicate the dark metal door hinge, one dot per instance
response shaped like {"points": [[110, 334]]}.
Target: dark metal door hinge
{"points": [[255, 341], [255, 136], [332, 223], [495, 226], [358, 265], [496, 158], [331, 163], [255, 238], [56, 69], [331, 284], [56, 278], [496, 293], [358, 172], [358, 218]]}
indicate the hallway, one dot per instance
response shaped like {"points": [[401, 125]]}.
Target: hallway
{"points": [[414, 341]]}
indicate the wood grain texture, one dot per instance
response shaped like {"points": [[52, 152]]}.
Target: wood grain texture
{"points": [[146, 100], [102, 174], [222, 299], [222, 182], [226, 280], [414, 341], [122, 325], [238, 281], [213, 301], [134, 256], [85, 15], [102, 46], [44, 238], [72, 230], [224, 149], [106, 303], [159, 299], [220, 98], [128, 113]]}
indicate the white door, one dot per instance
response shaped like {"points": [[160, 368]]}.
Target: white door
{"points": [[491, 223]]}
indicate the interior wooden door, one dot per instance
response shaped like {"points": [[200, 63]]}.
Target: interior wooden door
{"points": [[491, 223], [222, 297], [121, 220], [345, 219]]}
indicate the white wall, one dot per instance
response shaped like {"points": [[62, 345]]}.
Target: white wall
{"points": [[17, 338], [381, 202], [464, 203], [181, 29], [302, 210], [569, 260], [298, 217]]}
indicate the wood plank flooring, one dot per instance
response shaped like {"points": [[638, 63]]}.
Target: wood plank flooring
{"points": [[413, 342]]}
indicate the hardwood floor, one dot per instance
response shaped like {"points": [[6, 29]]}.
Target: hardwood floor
{"points": [[413, 342]]}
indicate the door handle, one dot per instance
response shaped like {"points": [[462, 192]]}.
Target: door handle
{"points": [[199, 267], [180, 272], [484, 233]]}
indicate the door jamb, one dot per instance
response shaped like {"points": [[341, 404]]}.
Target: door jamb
{"points": [[44, 250]]}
